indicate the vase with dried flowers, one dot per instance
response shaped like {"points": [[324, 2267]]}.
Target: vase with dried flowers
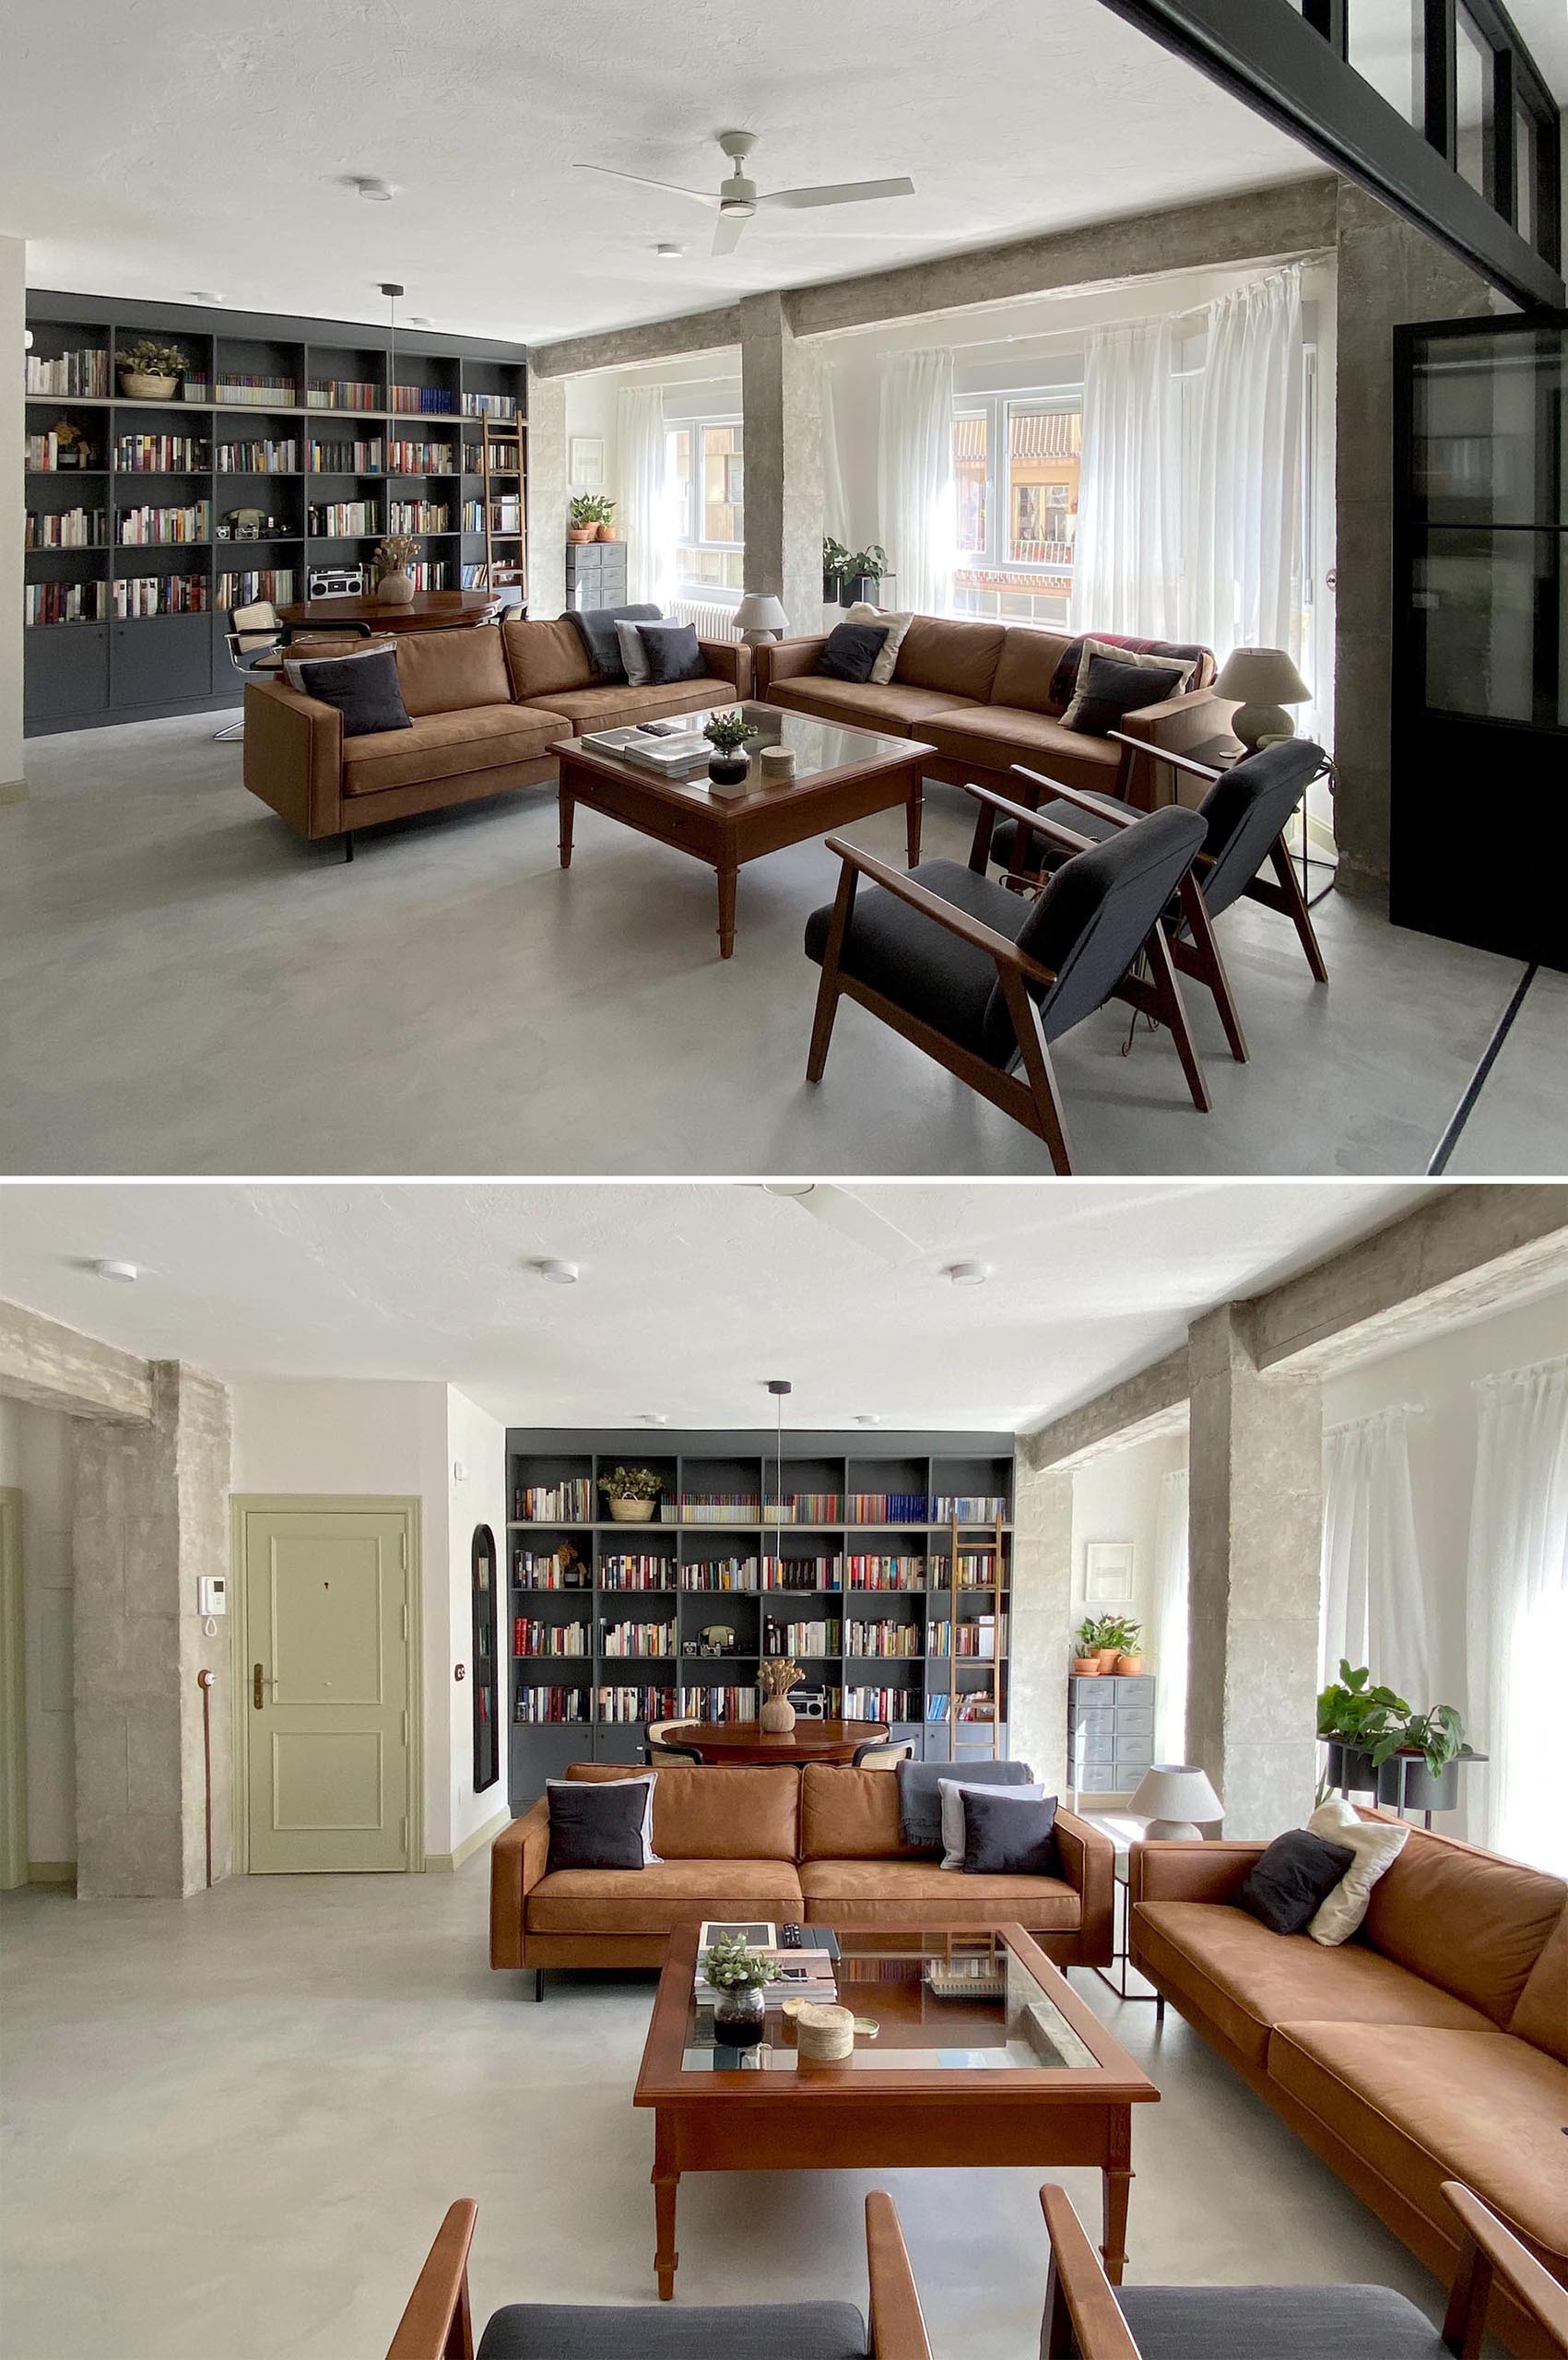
{"points": [[396, 555], [778, 1675]]}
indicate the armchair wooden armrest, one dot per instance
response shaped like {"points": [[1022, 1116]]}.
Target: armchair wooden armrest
{"points": [[1022, 814], [898, 2328], [437, 2323], [517, 1862], [1083, 2320], [972, 930], [1155, 734], [1177, 761], [1488, 2253]]}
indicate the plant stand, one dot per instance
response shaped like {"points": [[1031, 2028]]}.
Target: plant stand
{"points": [[1114, 1978]]}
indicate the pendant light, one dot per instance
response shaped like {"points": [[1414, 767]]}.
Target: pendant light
{"points": [[779, 1388], [392, 290]]}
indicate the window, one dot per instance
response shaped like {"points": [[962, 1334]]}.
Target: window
{"points": [[1475, 77], [1526, 172], [705, 469], [1015, 466], [1387, 48]]}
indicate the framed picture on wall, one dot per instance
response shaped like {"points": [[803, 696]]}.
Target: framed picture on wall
{"points": [[586, 458], [1108, 1573]]}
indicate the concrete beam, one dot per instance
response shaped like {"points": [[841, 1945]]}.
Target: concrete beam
{"points": [[1152, 1403], [1463, 1253], [59, 1368], [689, 332]]}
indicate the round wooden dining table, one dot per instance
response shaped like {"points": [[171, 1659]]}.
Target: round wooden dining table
{"points": [[809, 1740], [427, 611]]}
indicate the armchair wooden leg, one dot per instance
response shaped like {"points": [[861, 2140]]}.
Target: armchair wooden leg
{"points": [[1463, 2321], [1036, 1060], [828, 989], [1296, 909], [1173, 1011], [1206, 964]]}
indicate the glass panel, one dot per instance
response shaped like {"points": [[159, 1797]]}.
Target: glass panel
{"points": [[679, 469], [970, 463], [710, 568], [1386, 48], [1491, 428], [1526, 168], [1475, 78], [724, 514], [1043, 442], [1496, 624]]}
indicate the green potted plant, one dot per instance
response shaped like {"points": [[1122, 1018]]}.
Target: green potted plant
{"points": [[1121, 1632], [604, 521], [583, 517], [1354, 1715], [739, 1977], [632, 1494], [862, 574], [1086, 1663], [834, 559], [1417, 1758], [150, 369], [728, 765]]}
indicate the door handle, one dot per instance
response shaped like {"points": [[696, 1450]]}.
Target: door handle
{"points": [[257, 1679]]}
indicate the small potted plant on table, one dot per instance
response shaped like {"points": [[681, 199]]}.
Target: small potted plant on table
{"points": [[632, 1494], [150, 369], [1417, 1760], [862, 575], [1086, 1663], [1354, 1716], [835, 557], [739, 1978], [728, 765]]}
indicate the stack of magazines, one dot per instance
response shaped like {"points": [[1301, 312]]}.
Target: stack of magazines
{"points": [[809, 1973], [683, 750]]}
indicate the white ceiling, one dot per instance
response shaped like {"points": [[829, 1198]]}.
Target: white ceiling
{"points": [[691, 1295]]}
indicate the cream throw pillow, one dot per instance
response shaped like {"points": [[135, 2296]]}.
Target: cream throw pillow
{"points": [[1375, 1843], [955, 1838], [1093, 647], [895, 625]]}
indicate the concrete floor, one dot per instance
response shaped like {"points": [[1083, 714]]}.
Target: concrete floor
{"points": [[190, 989], [231, 2126]]}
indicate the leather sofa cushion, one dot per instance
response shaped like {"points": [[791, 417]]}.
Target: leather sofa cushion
{"points": [[917, 1893], [616, 706], [958, 657], [994, 736], [849, 1815], [1026, 671], [1541, 2015], [893, 708], [652, 1900], [716, 1811], [1246, 1980], [1465, 1919], [449, 671], [446, 745], [1424, 2105], [545, 656]]}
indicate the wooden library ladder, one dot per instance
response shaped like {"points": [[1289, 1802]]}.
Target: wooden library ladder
{"points": [[988, 1746], [501, 572]]}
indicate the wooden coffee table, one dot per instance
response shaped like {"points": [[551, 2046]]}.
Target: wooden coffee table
{"points": [[841, 774], [1019, 2072]]}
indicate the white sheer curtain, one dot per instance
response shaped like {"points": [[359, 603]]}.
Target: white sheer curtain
{"points": [[835, 511], [915, 505], [1517, 1601], [1373, 1607], [1127, 544], [1170, 1617], [645, 512], [1242, 543]]}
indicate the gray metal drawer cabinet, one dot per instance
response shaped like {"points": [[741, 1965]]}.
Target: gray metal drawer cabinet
{"points": [[1110, 1730]]}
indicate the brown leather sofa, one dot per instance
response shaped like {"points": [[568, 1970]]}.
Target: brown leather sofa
{"points": [[987, 696], [818, 1845], [486, 706], [1432, 2045]]}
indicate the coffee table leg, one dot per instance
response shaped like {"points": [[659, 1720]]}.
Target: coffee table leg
{"points": [[911, 814], [726, 912], [665, 2181], [567, 807], [1117, 2178]]}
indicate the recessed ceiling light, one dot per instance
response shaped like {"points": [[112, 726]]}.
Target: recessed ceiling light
{"points": [[654, 1418], [865, 1418], [125, 1274], [968, 1274], [374, 192], [204, 295], [559, 1274], [669, 253], [418, 320]]}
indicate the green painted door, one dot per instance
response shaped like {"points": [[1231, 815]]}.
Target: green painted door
{"points": [[329, 1696]]}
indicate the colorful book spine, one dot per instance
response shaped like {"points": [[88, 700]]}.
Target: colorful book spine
{"points": [[881, 1639], [718, 1704], [884, 1705], [802, 1573], [532, 1637], [641, 1703], [83, 373], [568, 1503], [884, 1573], [720, 1574], [139, 595], [66, 528], [274, 582], [258, 456], [46, 603], [638, 1639], [551, 1705], [800, 1638], [637, 1573], [498, 405], [150, 527], [159, 455]]}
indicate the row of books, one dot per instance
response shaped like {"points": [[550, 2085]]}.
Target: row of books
{"points": [[974, 1704], [418, 517], [429, 401], [254, 392], [970, 1508], [550, 1569], [802, 1573], [45, 454], [881, 1703], [151, 527], [500, 405], [425, 576], [257, 456], [800, 1638], [506, 514], [345, 519], [712, 1507], [137, 595], [717, 1705], [534, 1639], [623, 1571], [63, 602], [418, 458], [977, 1569], [638, 1639], [641, 1705], [341, 392], [163, 454], [888, 1508], [66, 528], [882, 1638], [977, 1638], [85, 372], [568, 1503], [884, 1573], [806, 1508], [505, 458], [722, 1573], [340, 458], [275, 583], [551, 1705]]}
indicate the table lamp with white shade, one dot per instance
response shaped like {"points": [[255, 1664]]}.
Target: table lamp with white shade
{"points": [[1174, 1797], [760, 618], [1267, 681]]}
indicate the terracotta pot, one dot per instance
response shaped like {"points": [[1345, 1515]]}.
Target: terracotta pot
{"points": [[139, 388], [1129, 1665], [632, 1511], [581, 532], [777, 1716], [605, 533], [1087, 1666], [1108, 1658], [394, 590]]}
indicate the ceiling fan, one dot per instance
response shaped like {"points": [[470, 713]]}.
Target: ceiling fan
{"points": [[738, 198], [851, 1215]]}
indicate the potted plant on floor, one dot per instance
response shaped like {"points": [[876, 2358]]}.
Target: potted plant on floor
{"points": [[862, 575], [1354, 1716], [150, 369], [834, 559], [632, 1494], [739, 1977], [1417, 1759]]}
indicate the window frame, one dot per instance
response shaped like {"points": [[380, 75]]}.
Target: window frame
{"points": [[997, 408], [689, 519]]}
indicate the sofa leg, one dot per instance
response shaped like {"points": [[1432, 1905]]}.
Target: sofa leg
{"points": [[1159, 2008], [347, 845], [539, 1983]]}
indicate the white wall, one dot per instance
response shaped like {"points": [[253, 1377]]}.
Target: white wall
{"points": [[35, 1446], [477, 1444], [1117, 1497], [694, 383], [13, 326]]}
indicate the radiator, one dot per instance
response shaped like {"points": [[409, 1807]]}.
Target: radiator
{"points": [[710, 619]]}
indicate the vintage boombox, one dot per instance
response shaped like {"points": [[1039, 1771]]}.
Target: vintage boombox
{"points": [[810, 1703], [336, 582]]}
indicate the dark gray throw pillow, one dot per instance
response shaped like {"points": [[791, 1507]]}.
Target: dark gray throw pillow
{"points": [[1293, 1879], [1111, 691], [920, 1795], [850, 651], [1009, 1835], [673, 653], [595, 628], [363, 688], [596, 1826]]}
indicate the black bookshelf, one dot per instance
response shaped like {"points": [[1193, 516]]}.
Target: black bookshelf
{"points": [[566, 1571], [260, 390]]}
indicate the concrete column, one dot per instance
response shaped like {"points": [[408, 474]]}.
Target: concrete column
{"points": [[1042, 1614], [1255, 1523], [781, 402], [150, 1506], [547, 495]]}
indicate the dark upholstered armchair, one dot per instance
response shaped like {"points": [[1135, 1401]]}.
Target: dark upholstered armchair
{"points": [[983, 981], [1246, 812], [438, 2323]]}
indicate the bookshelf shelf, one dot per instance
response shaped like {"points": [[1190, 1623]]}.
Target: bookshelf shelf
{"points": [[566, 1569], [110, 668]]}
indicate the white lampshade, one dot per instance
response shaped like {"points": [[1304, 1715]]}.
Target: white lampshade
{"points": [[1176, 1797], [759, 617], [1266, 681]]}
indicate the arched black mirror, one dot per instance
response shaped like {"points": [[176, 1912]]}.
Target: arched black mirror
{"points": [[486, 1713]]}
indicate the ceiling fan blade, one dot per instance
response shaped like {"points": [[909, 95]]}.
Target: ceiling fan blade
{"points": [[840, 192], [852, 1216], [638, 180], [726, 232]]}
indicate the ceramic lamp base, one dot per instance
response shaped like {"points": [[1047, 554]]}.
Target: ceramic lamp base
{"points": [[1261, 725], [1173, 1830]]}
